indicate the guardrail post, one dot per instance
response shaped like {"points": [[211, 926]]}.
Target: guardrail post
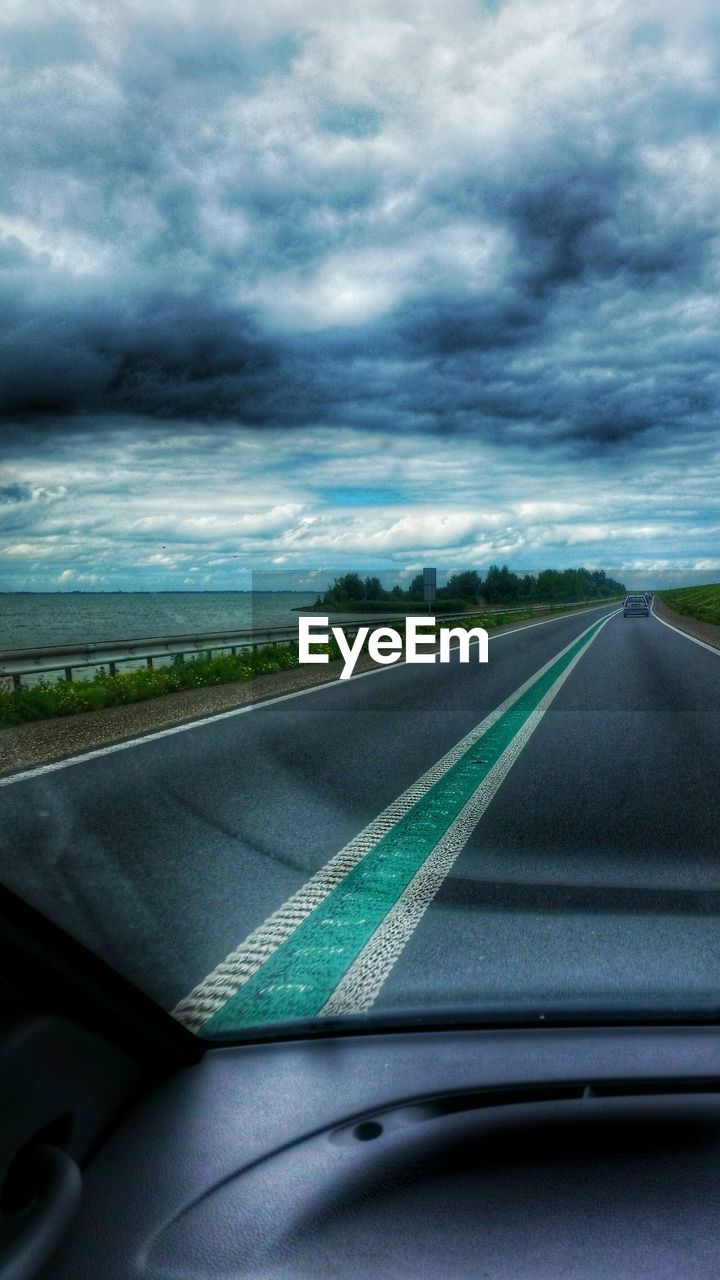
{"points": [[17, 683], [68, 674], [112, 668], [149, 662]]}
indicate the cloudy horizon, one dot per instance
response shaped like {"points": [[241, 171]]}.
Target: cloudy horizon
{"points": [[419, 284]]}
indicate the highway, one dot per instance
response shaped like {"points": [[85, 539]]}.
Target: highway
{"points": [[541, 832]]}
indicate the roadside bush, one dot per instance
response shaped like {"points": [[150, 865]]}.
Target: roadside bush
{"points": [[66, 698]]}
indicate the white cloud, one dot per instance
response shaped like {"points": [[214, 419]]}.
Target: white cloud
{"points": [[442, 277], [483, 508], [75, 254]]}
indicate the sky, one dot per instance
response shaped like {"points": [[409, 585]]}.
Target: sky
{"points": [[288, 286]]}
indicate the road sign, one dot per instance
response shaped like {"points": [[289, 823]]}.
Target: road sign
{"points": [[429, 585]]}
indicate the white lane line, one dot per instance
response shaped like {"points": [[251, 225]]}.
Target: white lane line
{"points": [[686, 636], [233, 972], [37, 772], [361, 984]]}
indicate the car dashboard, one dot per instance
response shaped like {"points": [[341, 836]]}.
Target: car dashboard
{"points": [[526, 1152]]}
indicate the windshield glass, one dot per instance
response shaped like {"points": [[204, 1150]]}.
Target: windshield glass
{"points": [[334, 346]]}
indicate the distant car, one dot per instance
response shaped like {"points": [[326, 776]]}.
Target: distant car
{"points": [[636, 606]]}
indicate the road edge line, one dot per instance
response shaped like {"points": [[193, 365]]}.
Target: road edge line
{"points": [[53, 766], [363, 980], [227, 978], [686, 634]]}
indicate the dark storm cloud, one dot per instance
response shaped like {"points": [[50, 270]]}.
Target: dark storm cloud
{"points": [[12, 493], [161, 356], [273, 227]]}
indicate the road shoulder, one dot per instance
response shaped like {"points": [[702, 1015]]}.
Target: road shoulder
{"points": [[704, 631], [41, 742]]}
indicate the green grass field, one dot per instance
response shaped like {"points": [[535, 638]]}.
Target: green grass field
{"points": [[702, 603]]}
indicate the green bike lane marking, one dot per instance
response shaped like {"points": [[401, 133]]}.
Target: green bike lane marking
{"points": [[299, 977]]}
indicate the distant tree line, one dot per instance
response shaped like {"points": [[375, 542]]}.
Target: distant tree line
{"points": [[499, 586]]}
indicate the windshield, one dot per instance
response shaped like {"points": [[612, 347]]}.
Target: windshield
{"points": [[334, 347]]}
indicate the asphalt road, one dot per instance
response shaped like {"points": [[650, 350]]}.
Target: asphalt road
{"points": [[591, 875]]}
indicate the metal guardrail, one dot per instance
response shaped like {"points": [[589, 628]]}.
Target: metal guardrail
{"points": [[48, 660]]}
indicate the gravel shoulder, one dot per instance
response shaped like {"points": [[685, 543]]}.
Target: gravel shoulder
{"points": [[44, 741], [705, 631]]}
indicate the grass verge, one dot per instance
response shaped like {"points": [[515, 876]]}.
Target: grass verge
{"points": [[702, 603], [68, 697], [52, 698]]}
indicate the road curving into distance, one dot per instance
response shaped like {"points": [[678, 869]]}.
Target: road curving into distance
{"points": [[541, 830]]}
